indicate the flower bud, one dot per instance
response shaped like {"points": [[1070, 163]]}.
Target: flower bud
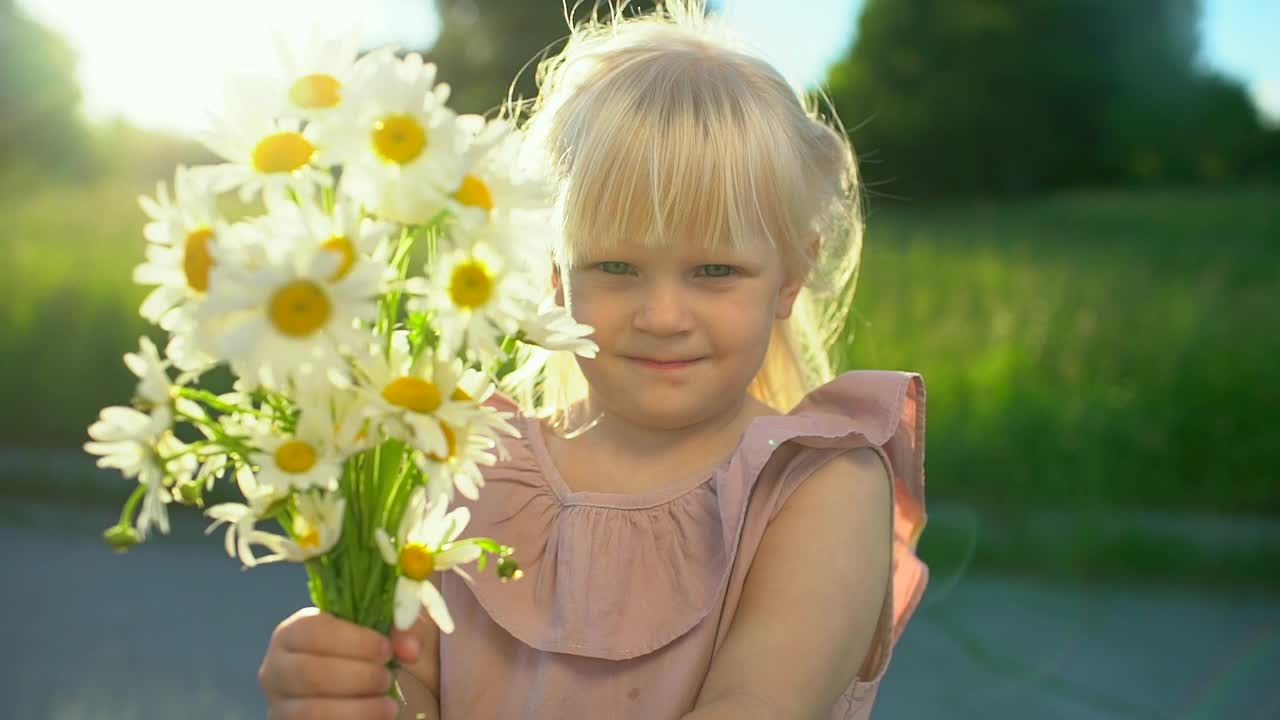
{"points": [[509, 570], [120, 537], [191, 493]]}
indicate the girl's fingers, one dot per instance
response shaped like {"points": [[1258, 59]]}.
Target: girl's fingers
{"points": [[302, 675], [374, 708], [407, 644], [313, 632]]}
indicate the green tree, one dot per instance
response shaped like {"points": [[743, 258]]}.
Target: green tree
{"points": [[41, 127], [485, 44], [998, 96]]}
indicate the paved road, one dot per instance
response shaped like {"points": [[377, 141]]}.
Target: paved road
{"points": [[175, 630]]}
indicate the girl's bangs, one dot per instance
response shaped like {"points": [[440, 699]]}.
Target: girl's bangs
{"points": [[657, 173]]}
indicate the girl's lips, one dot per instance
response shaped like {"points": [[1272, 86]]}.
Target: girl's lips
{"points": [[665, 364]]}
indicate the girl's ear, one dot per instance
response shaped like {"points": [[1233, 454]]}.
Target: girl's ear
{"points": [[787, 296], [556, 285], [795, 281]]}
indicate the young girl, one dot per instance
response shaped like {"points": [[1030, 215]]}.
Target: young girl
{"points": [[709, 526]]}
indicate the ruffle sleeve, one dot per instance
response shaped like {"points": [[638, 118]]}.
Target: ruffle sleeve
{"points": [[887, 409]]}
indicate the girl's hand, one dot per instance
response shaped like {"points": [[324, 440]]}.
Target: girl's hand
{"points": [[319, 667], [418, 651]]}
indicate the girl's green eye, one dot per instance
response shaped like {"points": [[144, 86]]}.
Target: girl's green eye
{"points": [[716, 271], [616, 267]]}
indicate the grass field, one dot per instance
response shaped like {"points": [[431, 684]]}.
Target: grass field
{"points": [[1093, 349], [1088, 349]]}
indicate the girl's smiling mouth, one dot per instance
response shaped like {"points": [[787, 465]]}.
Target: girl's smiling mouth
{"points": [[664, 363]]}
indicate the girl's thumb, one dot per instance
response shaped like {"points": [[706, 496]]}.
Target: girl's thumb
{"points": [[406, 644]]}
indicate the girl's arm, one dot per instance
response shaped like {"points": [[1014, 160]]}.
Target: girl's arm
{"points": [[812, 599], [419, 702]]}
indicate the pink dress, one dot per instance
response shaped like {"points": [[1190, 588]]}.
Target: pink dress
{"points": [[626, 598]]}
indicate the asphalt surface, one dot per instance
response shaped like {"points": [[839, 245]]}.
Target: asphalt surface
{"points": [[175, 629]]}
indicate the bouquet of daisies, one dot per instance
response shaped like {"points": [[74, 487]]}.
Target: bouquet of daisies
{"points": [[381, 294]]}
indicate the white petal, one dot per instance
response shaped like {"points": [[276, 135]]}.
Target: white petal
{"points": [[436, 608], [457, 521], [413, 514], [457, 555], [439, 487], [282, 548], [431, 531], [467, 486], [408, 602], [383, 541]]}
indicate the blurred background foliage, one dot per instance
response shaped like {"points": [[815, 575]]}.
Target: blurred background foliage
{"points": [[997, 98], [1072, 233]]}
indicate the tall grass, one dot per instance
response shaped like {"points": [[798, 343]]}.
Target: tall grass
{"points": [[69, 309], [1086, 349]]}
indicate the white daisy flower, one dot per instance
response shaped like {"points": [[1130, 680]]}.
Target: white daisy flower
{"points": [[470, 432], [126, 439], [267, 154], [344, 232], [495, 181], [341, 406], [316, 528], [242, 518], [154, 388], [545, 331], [295, 314], [301, 461], [402, 395], [241, 522], [314, 76], [397, 142], [474, 298], [468, 449], [178, 258], [137, 444], [470, 429], [552, 327], [425, 543], [212, 465]]}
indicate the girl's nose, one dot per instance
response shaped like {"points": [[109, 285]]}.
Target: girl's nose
{"points": [[663, 310]]}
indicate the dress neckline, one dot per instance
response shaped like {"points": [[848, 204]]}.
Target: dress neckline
{"points": [[624, 501]]}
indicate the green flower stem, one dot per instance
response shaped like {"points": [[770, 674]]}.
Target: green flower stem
{"points": [[135, 497], [393, 692], [234, 444], [389, 474], [317, 580], [215, 402]]}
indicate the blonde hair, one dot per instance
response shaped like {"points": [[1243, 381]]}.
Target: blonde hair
{"points": [[662, 126]]}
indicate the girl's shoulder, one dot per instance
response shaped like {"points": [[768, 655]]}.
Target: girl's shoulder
{"points": [[881, 409], [616, 576]]}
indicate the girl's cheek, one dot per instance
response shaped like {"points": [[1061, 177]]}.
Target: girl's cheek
{"points": [[591, 309]]}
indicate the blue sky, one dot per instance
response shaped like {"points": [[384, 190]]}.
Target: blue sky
{"points": [[168, 74]]}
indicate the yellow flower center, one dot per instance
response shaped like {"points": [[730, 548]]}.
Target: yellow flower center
{"points": [[412, 393], [315, 91], [399, 138], [196, 259], [295, 456], [470, 285], [310, 540], [451, 441], [474, 193], [416, 561], [459, 395], [342, 246], [299, 308], [282, 152]]}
